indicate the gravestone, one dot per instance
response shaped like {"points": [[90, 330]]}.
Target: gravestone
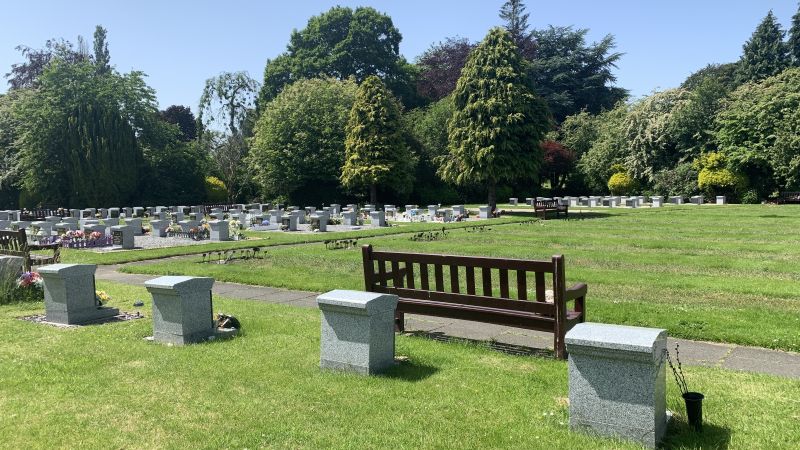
{"points": [[53, 219], [432, 209], [41, 229], [5, 224], [378, 218], [62, 228], [350, 218], [483, 212], [69, 294], [513, 201], [20, 225], [299, 214], [158, 228], [676, 199], [721, 200], [11, 267], [76, 213], [573, 201], [138, 211], [459, 210], [136, 224], [113, 213], [122, 237], [177, 216], [336, 209], [103, 213], [617, 381], [90, 228], [111, 222], [357, 331], [410, 207], [182, 309], [311, 210], [656, 201], [697, 199], [220, 230], [593, 202], [128, 211], [529, 201], [320, 222]]}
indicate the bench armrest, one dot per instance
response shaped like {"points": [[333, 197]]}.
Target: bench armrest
{"points": [[576, 291]]}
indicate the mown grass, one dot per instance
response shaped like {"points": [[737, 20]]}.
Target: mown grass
{"points": [[727, 274], [105, 387], [255, 239]]}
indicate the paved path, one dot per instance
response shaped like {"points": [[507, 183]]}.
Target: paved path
{"points": [[515, 340]]}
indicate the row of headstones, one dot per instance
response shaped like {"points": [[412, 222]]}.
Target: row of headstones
{"points": [[319, 219], [182, 306], [656, 201], [358, 335]]}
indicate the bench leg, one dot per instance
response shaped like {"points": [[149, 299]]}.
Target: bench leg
{"points": [[559, 346], [399, 322]]}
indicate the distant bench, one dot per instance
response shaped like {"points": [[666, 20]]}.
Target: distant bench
{"points": [[787, 198], [542, 207], [431, 298], [15, 243], [36, 215]]}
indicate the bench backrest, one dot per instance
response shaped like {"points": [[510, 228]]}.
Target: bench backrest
{"points": [[539, 204], [38, 214], [470, 280], [14, 243]]}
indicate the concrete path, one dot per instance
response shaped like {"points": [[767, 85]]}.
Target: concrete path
{"points": [[512, 340]]}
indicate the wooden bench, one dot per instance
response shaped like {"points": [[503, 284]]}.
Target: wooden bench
{"points": [[15, 243], [542, 207], [788, 198], [480, 300]]}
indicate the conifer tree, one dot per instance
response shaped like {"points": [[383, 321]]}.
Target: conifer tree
{"points": [[794, 38], [376, 153], [498, 123], [765, 54], [102, 59], [513, 13]]}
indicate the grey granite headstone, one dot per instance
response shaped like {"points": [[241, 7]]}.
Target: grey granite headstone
{"points": [[220, 230], [696, 200], [377, 218], [69, 294], [122, 237], [617, 381], [187, 225], [357, 332], [158, 228], [459, 210], [11, 267], [721, 200], [483, 212], [182, 309], [136, 224], [350, 218], [656, 201], [513, 201]]}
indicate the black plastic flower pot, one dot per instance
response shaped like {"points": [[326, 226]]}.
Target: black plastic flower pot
{"points": [[694, 409]]}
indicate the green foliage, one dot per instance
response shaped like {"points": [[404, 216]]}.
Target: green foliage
{"points": [[175, 174], [498, 122], [376, 151], [715, 178], [516, 22], [578, 132], [102, 59], [724, 74], [651, 133], [678, 180], [765, 54], [750, 197], [298, 145], [341, 43], [216, 191], [794, 39], [621, 184], [693, 121], [78, 142], [573, 76], [757, 132], [609, 148]]}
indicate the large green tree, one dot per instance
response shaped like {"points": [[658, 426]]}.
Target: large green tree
{"points": [[298, 149], [341, 43], [608, 149], [376, 150], [757, 132], [516, 22], [794, 38], [765, 54], [498, 121]]}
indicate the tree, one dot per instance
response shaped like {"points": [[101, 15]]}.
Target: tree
{"points": [[498, 121], [440, 66], [572, 76], [578, 132], [608, 149], [341, 43], [765, 54], [25, 74], [376, 152], [558, 162], [298, 149], [513, 13], [78, 146], [228, 98], [724, 74], [102, 59], [9, 149], [184, 119], [794, 38], [757, 132]]}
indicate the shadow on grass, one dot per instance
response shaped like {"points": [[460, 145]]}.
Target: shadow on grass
{"points": [[577, 214], [407, 370], [680, 435], [509, 349]]}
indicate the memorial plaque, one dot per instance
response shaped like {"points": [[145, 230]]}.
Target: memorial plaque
{"points": [[116, 238]]}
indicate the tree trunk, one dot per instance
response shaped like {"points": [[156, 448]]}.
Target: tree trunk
{"points": [[492, 200], [373, 194]]}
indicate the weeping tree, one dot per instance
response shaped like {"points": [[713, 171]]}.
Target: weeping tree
{"points": [[376, 152], [498, 122]]}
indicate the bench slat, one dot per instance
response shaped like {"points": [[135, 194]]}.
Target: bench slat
{"points": [[504, 283], [382, 272], [522, 285], [423, 276], [397, 277], [409, 274], [470, 280], [486, 275], [544, 309], [473, 261], [540, 287], [454, 279], [439, 278]]}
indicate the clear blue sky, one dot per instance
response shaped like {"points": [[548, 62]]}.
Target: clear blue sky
{"points": [[181, 43]]}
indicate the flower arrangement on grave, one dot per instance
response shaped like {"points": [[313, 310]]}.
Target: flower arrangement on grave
{"points": [[101, 297], [693, 400], [73, 234], [174, 228], [28, 279], [29, 287], [95, 236]]}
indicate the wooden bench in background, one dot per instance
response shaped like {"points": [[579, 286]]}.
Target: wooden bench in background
{"points": [[15, 243], [788, 198], [542, 207], [408, 277]]}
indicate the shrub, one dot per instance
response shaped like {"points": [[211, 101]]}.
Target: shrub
{"points": [[750, 197], [680, 180], [621, 183], [216, 192], [715, 178]]}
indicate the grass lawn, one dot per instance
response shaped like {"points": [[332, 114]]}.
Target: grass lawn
{"points": [[727, 274], [105, 387], [254, 239]]}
